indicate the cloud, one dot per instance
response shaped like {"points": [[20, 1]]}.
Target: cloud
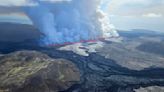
{"points": [[152, 15], [14, 2], [135, 7], [10, 3], [14, 6]]}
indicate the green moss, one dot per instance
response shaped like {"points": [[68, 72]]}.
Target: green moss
{"points": [[4, 90], [15, 70], [17, 75], [61, 77]]}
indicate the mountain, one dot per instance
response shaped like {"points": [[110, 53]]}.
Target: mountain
{"points": [[12, 32], [31, 71], [139, 32]]}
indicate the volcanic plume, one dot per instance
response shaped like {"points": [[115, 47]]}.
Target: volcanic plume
{"points": [[64, 21]]}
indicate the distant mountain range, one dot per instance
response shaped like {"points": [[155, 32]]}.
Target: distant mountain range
{"points": [[13, 32], [139, 32]]}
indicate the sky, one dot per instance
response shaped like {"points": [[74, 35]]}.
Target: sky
{"points": [[140, 14], [123, 14]]}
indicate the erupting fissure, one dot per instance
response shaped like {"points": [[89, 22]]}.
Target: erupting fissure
{"points": [[69, 21]]}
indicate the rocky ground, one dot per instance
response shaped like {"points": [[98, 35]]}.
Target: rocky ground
{"points": [[31, 71], [121, 66], [99, 74], [126, 55]]}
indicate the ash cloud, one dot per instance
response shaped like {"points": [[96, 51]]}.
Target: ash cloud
{"points": [[63, 21]]}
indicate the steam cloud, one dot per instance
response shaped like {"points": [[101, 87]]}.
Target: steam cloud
{"points": [[70, 21]]}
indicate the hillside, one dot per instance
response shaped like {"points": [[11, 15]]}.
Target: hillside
{"points": [[31, 71]]}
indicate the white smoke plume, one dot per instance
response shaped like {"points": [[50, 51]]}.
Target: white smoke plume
{"points": [[64, 21]]}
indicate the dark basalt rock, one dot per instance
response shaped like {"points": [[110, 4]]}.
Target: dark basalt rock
{"points": [[99, 74]]}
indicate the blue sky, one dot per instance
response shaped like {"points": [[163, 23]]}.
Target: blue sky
{"points": [[136, 14], [124, 14]]}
